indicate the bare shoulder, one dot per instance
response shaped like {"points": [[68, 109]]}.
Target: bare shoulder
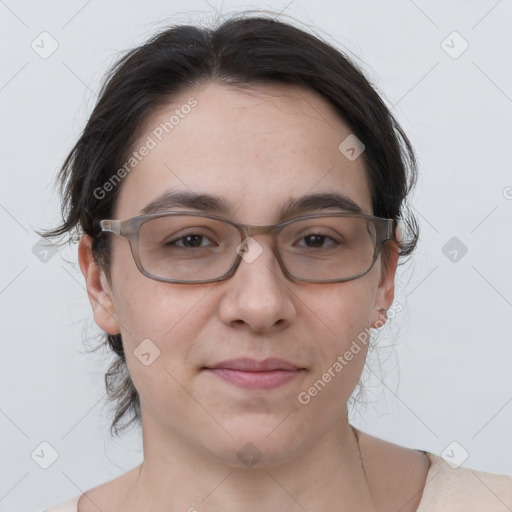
{"points": [[397, 474], [107, 495]]}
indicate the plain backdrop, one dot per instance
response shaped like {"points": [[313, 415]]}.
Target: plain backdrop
{"points": [[443, 373]]}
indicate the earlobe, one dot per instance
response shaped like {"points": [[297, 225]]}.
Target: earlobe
{"points": [[379, 318], [98, 290]]}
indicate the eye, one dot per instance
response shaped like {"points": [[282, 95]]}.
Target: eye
{"points": [[318, 241], [191, 241]]}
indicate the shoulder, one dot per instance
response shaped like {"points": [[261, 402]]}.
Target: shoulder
{"points": [[463, 489], [421, 481], [100, 498], [65, 506]]}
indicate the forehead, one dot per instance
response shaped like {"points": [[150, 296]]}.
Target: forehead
{"points": [[257, 148]]}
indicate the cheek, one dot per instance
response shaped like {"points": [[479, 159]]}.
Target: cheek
{"points": [[341, 318], [161, 328], [159, 323], [341, 310]]}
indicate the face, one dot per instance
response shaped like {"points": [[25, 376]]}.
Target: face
{"points": [[257, 150]]}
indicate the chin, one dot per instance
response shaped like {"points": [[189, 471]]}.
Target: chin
{"points": [[270, 445]]}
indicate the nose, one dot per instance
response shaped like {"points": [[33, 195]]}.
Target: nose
{"points": [[258, 295]]}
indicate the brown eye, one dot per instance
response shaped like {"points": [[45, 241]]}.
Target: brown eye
{"points": [[191, 241]]}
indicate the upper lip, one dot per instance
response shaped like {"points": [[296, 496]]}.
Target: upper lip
{"points": [[246, 364]]}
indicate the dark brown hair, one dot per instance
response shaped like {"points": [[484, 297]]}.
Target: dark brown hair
{"points": [[241, 51]]}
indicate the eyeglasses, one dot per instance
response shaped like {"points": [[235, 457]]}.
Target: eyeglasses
{"points": [[190, 247]]}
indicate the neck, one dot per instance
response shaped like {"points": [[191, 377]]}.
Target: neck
{"points": [[178, 476]]}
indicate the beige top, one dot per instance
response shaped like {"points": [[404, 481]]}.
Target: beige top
{"points": [[446, 489]]}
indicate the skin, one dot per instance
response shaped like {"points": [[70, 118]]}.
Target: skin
{"points": [[256, 149]]}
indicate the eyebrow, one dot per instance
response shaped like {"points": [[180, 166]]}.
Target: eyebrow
{"points": [[218, 205], [196, 201], [320, 201]]}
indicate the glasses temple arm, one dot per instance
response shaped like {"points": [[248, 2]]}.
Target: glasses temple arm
{"points": [[114, 226], [391, 228]]}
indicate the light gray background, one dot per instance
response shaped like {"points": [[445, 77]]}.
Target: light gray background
{"points": [[449, 376]]}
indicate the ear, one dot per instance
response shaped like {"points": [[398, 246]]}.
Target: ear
{"points": [[386, 290], [98, 289]]}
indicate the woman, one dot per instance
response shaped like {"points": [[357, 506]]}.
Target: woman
{"points": [[241, 195]]}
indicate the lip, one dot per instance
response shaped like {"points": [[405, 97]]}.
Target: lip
{"points": [[246, 364], [253, 374]]}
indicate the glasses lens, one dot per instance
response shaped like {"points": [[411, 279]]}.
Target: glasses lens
{"points": [[328, 248], [187, 247]]}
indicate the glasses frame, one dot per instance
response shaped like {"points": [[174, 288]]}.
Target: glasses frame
{"points": [[129, 229]]}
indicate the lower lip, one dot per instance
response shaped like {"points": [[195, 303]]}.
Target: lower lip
{"points": [[256, 380]]}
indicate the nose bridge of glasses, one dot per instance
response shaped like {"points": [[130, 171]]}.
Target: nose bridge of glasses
{"points": [[255, 239], [265, 232], [251, 230]]}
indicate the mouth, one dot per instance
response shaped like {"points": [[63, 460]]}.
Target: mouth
{"points": [[253, 374]]}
